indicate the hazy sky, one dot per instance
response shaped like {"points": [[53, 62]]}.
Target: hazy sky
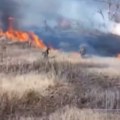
{"points": [[85, 11], [35, 11]]}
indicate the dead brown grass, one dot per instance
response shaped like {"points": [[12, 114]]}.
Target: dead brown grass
{"points": [[73, 113], [45, 87], [36, 87]]}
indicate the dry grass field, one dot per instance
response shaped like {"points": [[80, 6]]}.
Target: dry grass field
{"points": [[63, 87]]}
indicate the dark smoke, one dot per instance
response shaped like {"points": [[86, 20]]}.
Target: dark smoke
{"points": [[9, 8]]}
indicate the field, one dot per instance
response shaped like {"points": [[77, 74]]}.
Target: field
{"points": [[63, 87]]}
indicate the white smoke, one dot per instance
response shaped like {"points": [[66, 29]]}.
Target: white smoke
{"points": [[85, 12], [38, 10]]}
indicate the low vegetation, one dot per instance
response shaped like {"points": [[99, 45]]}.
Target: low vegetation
{"points": [[59, 89]]}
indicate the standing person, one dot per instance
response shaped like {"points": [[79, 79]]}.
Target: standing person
{"points": [[82, 51], [46, 53]]}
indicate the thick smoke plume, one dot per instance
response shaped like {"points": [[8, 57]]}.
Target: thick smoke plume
{"points": [[78, 15], [9, 8], [35, 12], [91, 14]]}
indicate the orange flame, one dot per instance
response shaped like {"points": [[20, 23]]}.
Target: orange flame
{"points": [[37, 41], [21, 36]]}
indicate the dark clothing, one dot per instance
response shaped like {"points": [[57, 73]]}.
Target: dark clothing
{"points": [[46, 53], [82, 51]]}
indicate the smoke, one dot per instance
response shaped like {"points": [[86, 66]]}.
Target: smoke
{"points": [[84, 11], [91, 14], [38, 10], [35, 12], [9, 8]]}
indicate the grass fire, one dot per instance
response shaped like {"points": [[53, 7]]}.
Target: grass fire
{"points": [[16, 35], [79, 80]]}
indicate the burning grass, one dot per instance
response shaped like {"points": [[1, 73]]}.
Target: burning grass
{"points": [[21, 36]]}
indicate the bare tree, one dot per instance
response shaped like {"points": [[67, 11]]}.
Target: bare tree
{"points": [[113, 8]]}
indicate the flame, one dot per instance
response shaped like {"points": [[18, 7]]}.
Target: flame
{"points": [[38, 43], [21, 36]]}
